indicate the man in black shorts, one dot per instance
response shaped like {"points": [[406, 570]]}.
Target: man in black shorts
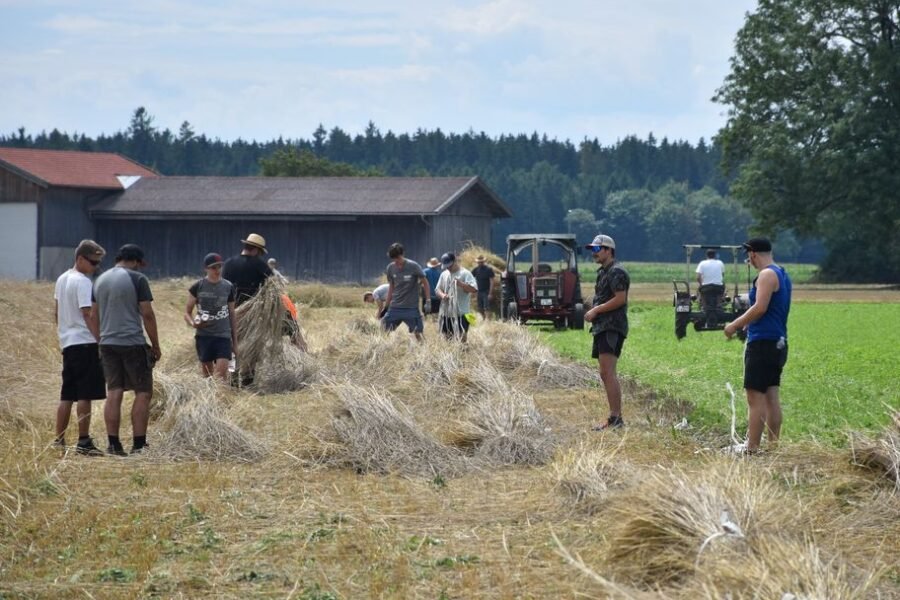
{"points": [[609, 323], [76, 324]]}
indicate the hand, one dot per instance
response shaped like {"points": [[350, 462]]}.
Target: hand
{"points": [[156, 352], [729, 331], [589, 315], [426, 308]]}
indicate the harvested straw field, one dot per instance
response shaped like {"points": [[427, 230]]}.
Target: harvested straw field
{"points": [[374, 466]]}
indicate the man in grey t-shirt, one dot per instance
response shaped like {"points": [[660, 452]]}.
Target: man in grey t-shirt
{"points": [[405, 277], [124, 302]]}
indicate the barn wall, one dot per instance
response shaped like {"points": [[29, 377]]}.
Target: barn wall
{"points": [[14, 188], [353, 251]]}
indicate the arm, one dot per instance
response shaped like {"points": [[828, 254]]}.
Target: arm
{"points": [[426, 289], [699, 279], [90, 319], [390, 294], [149, 318], [466, 287], [619, 299], [56, 312], [232, 318], [189, 311], [766, 285]]}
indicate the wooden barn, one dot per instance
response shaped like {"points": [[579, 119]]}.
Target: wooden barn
{"points": [[44, 200], [330, 229]]}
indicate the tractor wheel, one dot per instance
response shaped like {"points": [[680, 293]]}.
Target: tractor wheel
{"points": [[576, 321], [559, 324], [512, 312], [681, 323]]}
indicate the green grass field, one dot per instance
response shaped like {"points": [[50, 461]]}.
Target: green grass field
{"points": [[657, 272], [841, 373]]}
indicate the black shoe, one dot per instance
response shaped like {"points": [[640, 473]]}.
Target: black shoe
{"points": [[119, 451], [88, 448], [611, 423]]}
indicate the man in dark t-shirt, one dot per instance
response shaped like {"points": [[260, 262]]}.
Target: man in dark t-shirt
{"points": [[247, 271], [484, 276]]}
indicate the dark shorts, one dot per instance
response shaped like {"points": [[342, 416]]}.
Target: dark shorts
{"points": [[211, 349], [451, 325], [608, 342], [82, 374], [127, 367], [763, 364], [484, 301], [411, 316]]}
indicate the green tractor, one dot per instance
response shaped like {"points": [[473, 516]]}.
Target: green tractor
{"points": [[710, 308]]}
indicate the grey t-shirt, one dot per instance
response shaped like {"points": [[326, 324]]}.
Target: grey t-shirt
{"points": [[407, 282], [118, 292], [212, 299]]}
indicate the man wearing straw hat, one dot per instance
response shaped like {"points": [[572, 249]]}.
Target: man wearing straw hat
{"points": [[79, 334], [484, 275], [125, 303], [247, 271]]}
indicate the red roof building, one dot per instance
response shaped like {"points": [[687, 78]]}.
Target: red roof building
{"points": [[69, 168]]}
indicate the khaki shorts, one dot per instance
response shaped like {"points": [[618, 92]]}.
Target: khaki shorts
{"points": [[127, 367]]}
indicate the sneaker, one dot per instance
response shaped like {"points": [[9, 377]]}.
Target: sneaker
{"points": [[139, 450], [741, 450], [88, 448], [611, 423], [120, 451]]}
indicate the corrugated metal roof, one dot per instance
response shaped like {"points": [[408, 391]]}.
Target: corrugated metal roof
{"points": [[273, 196], [70, 168]]}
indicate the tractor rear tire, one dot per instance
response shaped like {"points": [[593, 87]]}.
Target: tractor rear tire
{"points": [[681, 323], [576, 321]]}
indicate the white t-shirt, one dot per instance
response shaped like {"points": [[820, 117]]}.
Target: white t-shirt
{"points": [[711, 271], [463, 298], [73, 292]]}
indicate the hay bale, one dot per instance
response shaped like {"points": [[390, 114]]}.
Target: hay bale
{"points": [[673, 521], [194, 424], [588, 474], [380, 436], [882, 453]]}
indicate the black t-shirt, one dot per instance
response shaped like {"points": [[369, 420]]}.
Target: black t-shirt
{"points": [[247, 273], [483, 275]]}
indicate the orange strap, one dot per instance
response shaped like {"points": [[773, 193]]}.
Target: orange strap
{"points": [[289, 306]]}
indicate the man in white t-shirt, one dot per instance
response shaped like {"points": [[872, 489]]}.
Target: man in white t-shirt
{"points": [[378, 296], [454, 288], [711, 279], [79, 334]]}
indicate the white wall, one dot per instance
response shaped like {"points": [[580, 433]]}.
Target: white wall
{"points": [[18, 231]]}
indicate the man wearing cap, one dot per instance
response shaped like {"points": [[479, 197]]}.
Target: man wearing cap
{"points": [[766, 351], [484, 275], [453, 289], [79, 333], [609, 323], [247, 271], [124, 301], [405, 277], [432, 274], [216, 329]]}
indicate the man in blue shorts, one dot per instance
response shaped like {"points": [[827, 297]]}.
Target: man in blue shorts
{"points": [[405, 277], [216, 335], [766, 351]]}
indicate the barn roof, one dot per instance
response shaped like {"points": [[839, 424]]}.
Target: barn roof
{"points": [[70, 168], [301, 196]]}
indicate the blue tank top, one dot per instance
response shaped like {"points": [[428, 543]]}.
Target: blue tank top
{"points": [[773, 324]]}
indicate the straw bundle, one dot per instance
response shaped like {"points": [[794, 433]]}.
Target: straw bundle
{"points": [[260, 323], [380, 436], [673, 522], [881, 454], [589, 474], [287, 371], [195, 424]]}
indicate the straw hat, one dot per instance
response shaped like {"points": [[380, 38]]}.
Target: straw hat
{"points": [[480, 258], [433, 262], [254, 239]]}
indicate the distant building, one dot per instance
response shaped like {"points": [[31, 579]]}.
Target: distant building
{"points": [[330, 229], [44, 201]]}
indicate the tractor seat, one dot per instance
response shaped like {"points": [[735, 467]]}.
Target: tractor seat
{"points": [[542, 268]]}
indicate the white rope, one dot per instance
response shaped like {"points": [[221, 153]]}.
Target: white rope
{"points": [[450, 308], [733, 415]]}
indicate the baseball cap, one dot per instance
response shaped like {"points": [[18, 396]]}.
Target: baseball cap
{"points": [[602, 240], [448, 258], [212, 259], [757, 245], [90, 249], [130, 252]]}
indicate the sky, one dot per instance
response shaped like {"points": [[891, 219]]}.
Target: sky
{"points": [[570, 69]]}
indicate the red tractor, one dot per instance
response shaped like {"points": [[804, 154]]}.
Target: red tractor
{"points": [[541, 281]]}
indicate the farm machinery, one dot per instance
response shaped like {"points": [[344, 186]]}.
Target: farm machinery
{"points": [[541, 281], [710, 308]]}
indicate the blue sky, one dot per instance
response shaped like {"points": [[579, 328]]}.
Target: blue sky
{"points": [[258, 70]]}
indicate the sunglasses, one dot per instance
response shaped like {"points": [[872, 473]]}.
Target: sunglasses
{"points": [[93, 262], [596, 249], [216, 266]]}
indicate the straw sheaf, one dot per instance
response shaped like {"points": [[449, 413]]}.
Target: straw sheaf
{"points": [[260, 323], [882, 453], [590, 473]]}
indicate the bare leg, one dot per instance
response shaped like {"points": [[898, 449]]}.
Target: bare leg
{"points": [[206, 369], [220, 369], [756, 418], [63, 412], [112, 412], [610, 380], [83, 410], [773, 415], [140, 413]]}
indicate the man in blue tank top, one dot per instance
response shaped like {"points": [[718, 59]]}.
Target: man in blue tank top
{"points": [[766, 351]]}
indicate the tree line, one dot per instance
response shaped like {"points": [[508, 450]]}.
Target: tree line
{"points": [[652, 194]]}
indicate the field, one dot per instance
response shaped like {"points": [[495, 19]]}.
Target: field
{"points": [[658, 272], [401, 470]]}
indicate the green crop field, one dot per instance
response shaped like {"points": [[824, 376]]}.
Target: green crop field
{"points": [[658, 272], [842, 368]]}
